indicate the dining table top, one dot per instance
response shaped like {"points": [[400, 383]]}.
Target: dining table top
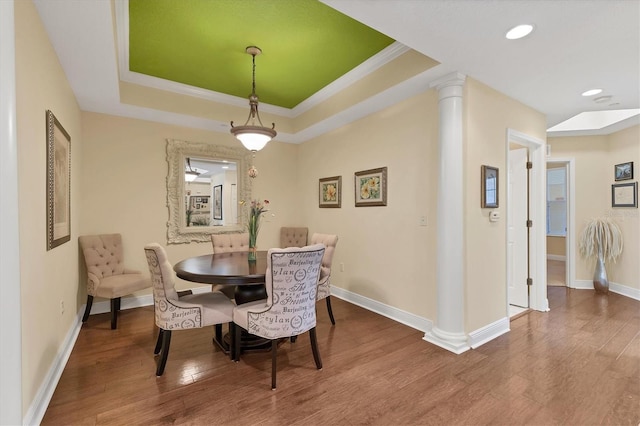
{"points": [[233, 268]]}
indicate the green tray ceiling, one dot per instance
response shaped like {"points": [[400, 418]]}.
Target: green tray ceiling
{"points": [[306, 45]]}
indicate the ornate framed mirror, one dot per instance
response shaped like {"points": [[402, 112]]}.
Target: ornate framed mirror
{"points": [[205, 184]]}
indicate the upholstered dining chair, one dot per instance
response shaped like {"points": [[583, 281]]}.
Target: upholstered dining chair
{"points": [[293, 236], [107, 275], [324, 286], [181, 313], [226, 243], [291, 281]]}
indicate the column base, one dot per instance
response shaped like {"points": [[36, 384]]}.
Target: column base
{"points": [[453, 342]]}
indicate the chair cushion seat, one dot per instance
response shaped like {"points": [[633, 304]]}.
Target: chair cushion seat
{"points": [[216, 307], [241, 312], [121, 284]]}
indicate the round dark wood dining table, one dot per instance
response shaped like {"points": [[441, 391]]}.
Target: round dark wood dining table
{"points": [[233, 269]]}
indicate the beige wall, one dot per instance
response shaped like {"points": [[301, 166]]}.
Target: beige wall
{"points": [[595, 157], [387, 256], [556, 246], [124, 171], [488, 115], [47, 278]]}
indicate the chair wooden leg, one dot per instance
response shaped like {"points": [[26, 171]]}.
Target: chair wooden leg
{"points": [[118, 300], [237, 338], [156, 351], [314, 348], [274, 357], [166, 342], [333, 321], [218, 328], [232, 341], [87, 310], [115, 303]]}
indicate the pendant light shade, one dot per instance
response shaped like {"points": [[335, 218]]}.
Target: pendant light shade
{"points": [[253, 135]]}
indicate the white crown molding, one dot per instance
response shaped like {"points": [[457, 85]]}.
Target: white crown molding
{"points": [[122, 31]]}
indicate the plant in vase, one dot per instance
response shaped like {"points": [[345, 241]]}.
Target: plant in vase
{"points": [[256, 209], [601, 239]]}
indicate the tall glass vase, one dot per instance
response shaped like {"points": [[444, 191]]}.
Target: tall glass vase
{"points": [[600, 281], [253, 236]]}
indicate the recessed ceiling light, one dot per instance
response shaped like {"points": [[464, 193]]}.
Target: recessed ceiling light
{"points": [[594, 120], [591, 92], [519, 31]]}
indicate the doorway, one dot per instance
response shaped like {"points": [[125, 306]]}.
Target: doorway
{"points": [[536, 280], [560, 222]]}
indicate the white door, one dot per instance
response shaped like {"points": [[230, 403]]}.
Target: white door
{"points": [[517, 241]]}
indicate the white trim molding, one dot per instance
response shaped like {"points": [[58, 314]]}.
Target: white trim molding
{"points": [[403, 317], [489, 332], [621, 289]]}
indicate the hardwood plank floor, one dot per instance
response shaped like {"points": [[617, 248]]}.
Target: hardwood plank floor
{"points": [[578, 364]]}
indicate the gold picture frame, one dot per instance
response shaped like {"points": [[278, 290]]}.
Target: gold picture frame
{"points": [[58, 182], [371, 187], [330, 192]]}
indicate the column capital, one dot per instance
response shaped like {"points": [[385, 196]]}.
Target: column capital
{"points": [[454, 79]]}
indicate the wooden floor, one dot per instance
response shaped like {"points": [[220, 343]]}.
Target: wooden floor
{"points": [[556, 273], [575, 365]]}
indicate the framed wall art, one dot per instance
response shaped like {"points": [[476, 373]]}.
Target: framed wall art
{"points": [[489, 187], [58, 183], [371, 187], [624, 171], [624, 194], [217, 202], [330, 192]]}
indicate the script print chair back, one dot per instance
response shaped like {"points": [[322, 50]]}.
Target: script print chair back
{"points": [[291, 281], [324, 286], [180, 313], [107, 276]]}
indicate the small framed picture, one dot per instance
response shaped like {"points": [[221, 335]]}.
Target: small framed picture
{"points": [[624, 194], [489, 187], [624, 171], [330, 192], [371, 187], [217, 202]]}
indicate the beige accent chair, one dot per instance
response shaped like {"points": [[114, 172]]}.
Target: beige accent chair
{"points": [[106, 274], [226, 243], [291, 281], [293, 237], [324, 287], [181, 313]]}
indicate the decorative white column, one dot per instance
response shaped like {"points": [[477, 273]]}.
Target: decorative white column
{"points": [[448, 332], [10, 334]]}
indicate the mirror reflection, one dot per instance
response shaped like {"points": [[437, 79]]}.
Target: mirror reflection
{"points": [[211, 192], [205, 183]]}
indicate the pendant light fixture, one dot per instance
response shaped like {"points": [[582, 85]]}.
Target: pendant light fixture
{"points": [[190, 175], [254, 136]]}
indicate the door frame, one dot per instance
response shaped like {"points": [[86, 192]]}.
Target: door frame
{"points": [[570, 240], [537, 213]]}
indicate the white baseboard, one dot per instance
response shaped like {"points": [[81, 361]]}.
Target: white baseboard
{"points": [[40, 402], [620, 289], [403, 317], [556, 257], [489, 332], [38, 407]]}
